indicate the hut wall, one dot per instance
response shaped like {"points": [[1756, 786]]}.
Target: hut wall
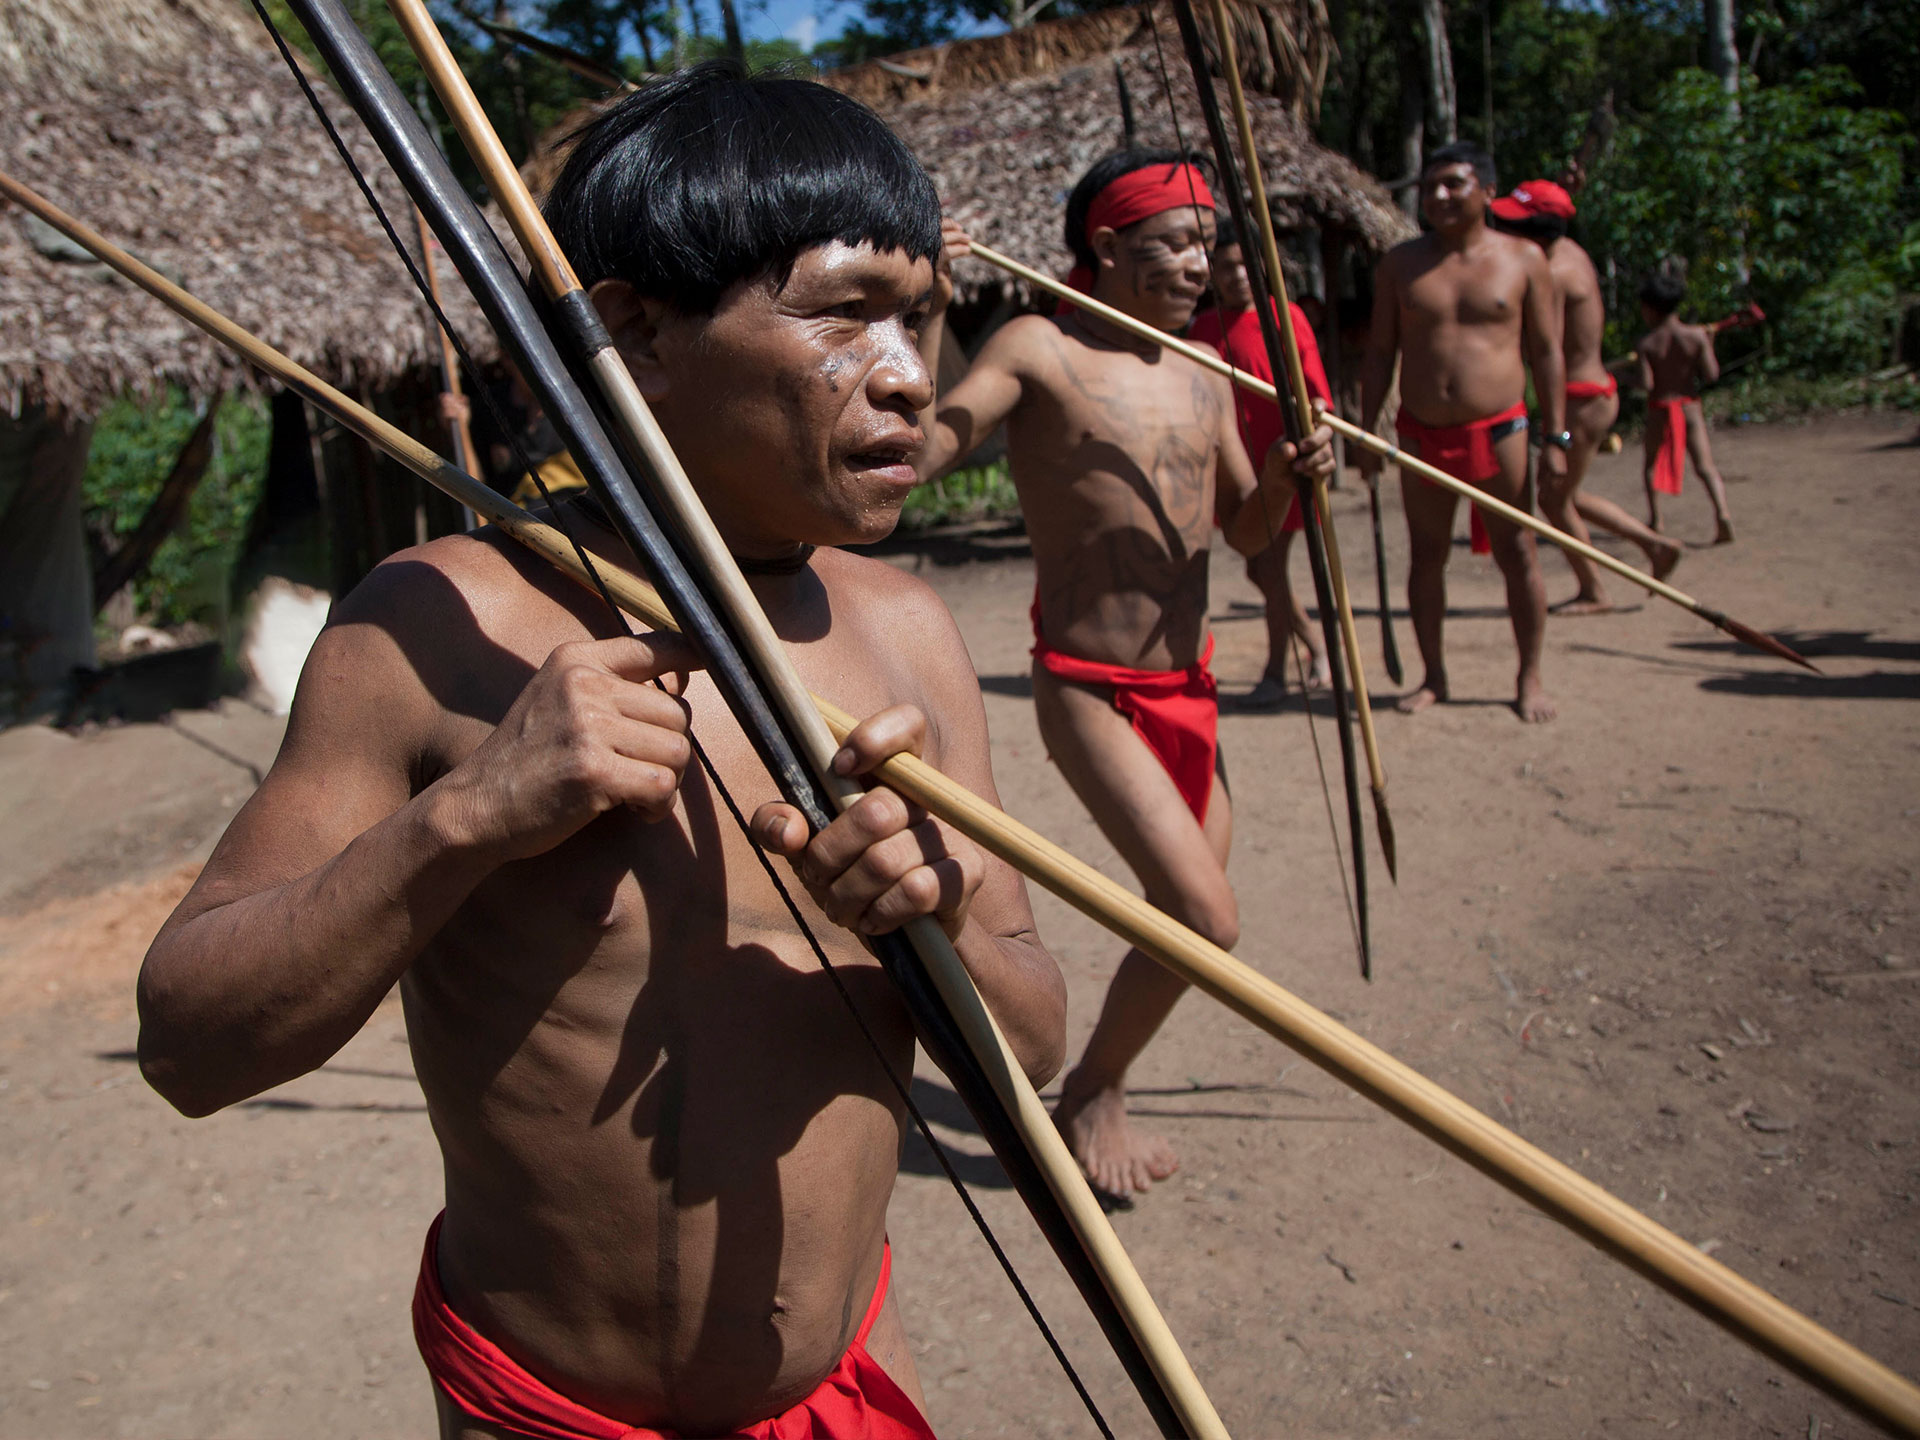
{"points": [[46, 592]]}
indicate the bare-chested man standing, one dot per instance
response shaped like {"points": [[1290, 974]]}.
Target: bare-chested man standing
{"points": [[1465, 310], [668, 1150], [1124, 455], [1676, 359], [1539, 211]]}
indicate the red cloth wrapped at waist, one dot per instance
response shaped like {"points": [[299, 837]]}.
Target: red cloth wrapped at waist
{"points": [[1176, 713], [1464, 452], [1670, 460], [1592, 389], [857, 1401]]}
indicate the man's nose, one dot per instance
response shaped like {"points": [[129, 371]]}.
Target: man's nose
{"points": [[899, 377]]}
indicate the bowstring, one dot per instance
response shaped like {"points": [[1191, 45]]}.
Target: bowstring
{"points": [[707, 766], [1226, 353]]}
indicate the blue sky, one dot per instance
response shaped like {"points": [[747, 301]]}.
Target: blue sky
{"points": [[806, 22]]}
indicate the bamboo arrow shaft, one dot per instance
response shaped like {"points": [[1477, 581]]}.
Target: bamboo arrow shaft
{"points": [[1663, 1257], [645, 442], [1368, 440]]}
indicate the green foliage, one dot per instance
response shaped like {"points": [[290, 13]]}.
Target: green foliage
{"points": [[134, 447], [978, 493], [1799, 183]]}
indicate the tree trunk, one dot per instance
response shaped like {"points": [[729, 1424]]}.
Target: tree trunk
{"points": [[510, 62], [163, 515], [1486, 72], [730, 23], [1413, 106], [1722, 59], [1443, 107]]}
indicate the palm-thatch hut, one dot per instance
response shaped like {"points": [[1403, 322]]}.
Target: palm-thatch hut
{"points": [[175, 129], [1007, 123]]}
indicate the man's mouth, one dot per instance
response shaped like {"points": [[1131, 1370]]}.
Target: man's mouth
{"points": [[892, 462]]}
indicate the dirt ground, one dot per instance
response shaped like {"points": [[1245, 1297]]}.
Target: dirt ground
{"points": [[1670, 939]]}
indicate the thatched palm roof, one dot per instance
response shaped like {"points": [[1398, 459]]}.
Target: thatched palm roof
{"points": [[173, 127], [1007, 124]]}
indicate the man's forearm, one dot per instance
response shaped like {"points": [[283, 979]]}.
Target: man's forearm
{"points": [[253, 992], [1022, 987], [1550, 385]]}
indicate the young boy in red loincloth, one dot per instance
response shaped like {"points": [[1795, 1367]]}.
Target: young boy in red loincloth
{"points": [[1676, 359]]}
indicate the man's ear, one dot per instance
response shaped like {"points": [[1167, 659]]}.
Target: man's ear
{"points": [[635, 323], [1105, 243]]}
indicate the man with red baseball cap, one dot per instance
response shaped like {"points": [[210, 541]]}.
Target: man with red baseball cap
{"points": [[1125, 455], [1539, 211], [1465, 312]]}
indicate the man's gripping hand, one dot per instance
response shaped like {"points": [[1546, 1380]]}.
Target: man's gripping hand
{"points": [[882, 862], [1312, 459], [588, 734]]}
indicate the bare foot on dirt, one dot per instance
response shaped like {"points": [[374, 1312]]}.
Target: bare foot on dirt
{"points": [[1269, 694], [1319, 675], [1117, 1158], [1427, 695], [1534, 705], [1723, 533], [1667, 561], [1584, 605]]}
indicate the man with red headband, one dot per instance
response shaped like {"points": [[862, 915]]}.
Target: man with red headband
{"points": [[1539, 211], [1125, 455], [1466, 310]]}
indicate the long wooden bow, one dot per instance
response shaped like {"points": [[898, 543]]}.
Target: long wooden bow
{"points": [[1711, 1288], [1276, 276]]}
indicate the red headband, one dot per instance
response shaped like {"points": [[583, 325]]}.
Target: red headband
{"points": [[1140, 194]]}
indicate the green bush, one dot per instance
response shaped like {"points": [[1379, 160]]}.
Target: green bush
{"points": [[135, 443], [976, 493], [1800, 185]]}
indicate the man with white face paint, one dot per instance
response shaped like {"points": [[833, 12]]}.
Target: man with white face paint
{"points": [[1125, 455], [668, 1149]]}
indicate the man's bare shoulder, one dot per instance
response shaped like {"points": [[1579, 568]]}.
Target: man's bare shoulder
{"points": [[1024, 340], [1420, 250], [906, 627], [1570, 260]]}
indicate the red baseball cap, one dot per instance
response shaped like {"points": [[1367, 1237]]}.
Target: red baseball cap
{"points": [[1535, 197]]}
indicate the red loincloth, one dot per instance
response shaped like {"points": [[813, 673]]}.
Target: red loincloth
{"points": [[858, 1401], [1670, 460], [1592, 389], [1176, 713], [1246, 349], [1464, 452]]}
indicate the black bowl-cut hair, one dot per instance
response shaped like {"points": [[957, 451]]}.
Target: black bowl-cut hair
{"points": [[1464, 152], [695, 183], [1102, 173], [1663, 290]]}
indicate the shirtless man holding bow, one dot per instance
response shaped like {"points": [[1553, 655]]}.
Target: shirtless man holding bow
{"points": [[668, 1149], [1124, 455], [1465, 310]]}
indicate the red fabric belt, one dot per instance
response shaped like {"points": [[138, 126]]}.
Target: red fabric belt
{"points": [[1592, 389], [857, 1401], [1670, 459], [1464, 452], [1176, 713]]}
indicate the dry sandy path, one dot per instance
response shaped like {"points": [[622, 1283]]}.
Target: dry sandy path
{"points": [[1670, 939]]}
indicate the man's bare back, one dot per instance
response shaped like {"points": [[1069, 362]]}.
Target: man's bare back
{"points": [[1676, 359], [1583, 310]]}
